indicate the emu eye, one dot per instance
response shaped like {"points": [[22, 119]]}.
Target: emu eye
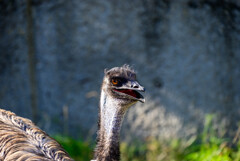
{"points": [[115, 81]]}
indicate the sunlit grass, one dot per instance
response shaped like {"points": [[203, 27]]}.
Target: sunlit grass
{"points": [[208, 146]]}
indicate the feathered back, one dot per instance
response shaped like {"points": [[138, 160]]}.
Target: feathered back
{"points": [[21, 140]]}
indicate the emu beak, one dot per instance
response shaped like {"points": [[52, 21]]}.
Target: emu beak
{"points": [[132, 88], [138, 88]]}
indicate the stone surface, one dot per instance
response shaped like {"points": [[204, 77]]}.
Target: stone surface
{"points": [[187, 55]]}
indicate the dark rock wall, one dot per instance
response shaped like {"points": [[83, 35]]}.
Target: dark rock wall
{"points": [[187, 55]]}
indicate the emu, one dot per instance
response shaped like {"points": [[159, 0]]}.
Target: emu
{"points": [[21, 140]]}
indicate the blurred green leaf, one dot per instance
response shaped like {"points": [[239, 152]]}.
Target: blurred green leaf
{"points": [[77, 149]]}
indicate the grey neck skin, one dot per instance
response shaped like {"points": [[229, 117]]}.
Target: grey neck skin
{"points": [[111, 114]]}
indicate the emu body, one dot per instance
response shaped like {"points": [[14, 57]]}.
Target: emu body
{"points": [[21, 140]]}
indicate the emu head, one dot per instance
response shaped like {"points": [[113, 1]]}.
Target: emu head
{"points": [[120, 83]]}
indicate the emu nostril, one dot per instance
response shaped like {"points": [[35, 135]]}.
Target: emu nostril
{"points": [[135, 86]]}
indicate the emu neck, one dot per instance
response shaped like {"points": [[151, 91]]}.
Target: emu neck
{"points": [[111, 114]]}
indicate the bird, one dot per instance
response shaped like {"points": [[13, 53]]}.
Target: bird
{"points": [[22, 140], [120, 90]]}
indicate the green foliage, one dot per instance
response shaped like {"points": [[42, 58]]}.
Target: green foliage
{"points": [[208, 146], [151, 150], [236, 155], [134, 152], [77, 149]]}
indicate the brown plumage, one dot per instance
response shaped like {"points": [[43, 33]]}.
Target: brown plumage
{"points": [[21, 140]]}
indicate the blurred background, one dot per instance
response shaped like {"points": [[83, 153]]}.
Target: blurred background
{"points": [[186, 54]]}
